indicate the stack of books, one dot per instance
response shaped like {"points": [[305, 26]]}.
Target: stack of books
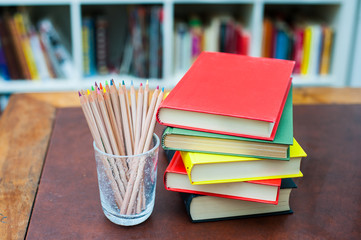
{"points": [[230, 123]]}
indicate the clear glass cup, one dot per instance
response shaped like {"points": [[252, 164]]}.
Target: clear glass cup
{"points": [[127, 184]]}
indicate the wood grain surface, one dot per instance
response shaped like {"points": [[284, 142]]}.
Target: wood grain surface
{"points": [[25, 129]]}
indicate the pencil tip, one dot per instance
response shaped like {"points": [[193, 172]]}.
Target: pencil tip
{"points": [[96, 84], [88, 91], [93, 88], [106, 82], [141, 84], [147, 82], [131, 83], [123, 82], [158, 87], [104, 90], [101, 86], [111, 82], [162, 89], [79, 93]]}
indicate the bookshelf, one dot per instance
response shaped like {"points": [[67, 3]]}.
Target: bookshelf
{"points": [[67, 16]]}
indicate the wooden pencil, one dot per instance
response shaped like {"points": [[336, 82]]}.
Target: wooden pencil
{"points": [[96, 136], [138, 122], [145, 102], [129, 116], [116, 106], [126, 125], [113, 122], [141, 164], [147, 121], [119, 174], [133, 108]]}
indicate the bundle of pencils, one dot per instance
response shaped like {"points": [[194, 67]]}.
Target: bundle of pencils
{"points": [[122, 123]]}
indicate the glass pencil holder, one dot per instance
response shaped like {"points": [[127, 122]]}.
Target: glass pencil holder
{"points": [[127, 184]]}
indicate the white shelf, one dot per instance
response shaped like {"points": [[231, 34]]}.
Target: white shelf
{"points": [[342, 18]]}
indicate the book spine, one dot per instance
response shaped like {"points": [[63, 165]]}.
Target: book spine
{"points": [[326, 51], [26, 48], [15, 37], [101, 45], [306, 51]]}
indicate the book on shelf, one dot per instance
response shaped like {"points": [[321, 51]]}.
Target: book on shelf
{"points": [[327, 36], [204, 168], [142, 55], [89, 51], [22, 26], [221, 33], [176, 179], [229, 94], [8, 47], [308, 43], [55, 46], [101, 44], [198, 141], [202, 208], [19, 53]]}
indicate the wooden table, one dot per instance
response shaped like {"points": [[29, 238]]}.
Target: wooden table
{"points": [[25, 130]]}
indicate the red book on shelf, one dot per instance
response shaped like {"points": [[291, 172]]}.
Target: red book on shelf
{"points": [[176, 179], [229, 94], [298, 49]]}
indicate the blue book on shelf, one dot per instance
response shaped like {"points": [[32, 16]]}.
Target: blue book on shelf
{"points": [[281, 45], [4, 71], [88, 34]]}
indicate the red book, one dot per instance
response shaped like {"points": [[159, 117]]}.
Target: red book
{"points": [[176, 179], [229, 94]]}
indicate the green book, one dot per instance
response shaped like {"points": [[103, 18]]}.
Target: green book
{"points": [[197, 141]]}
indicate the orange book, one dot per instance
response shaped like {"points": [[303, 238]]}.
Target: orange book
{"points": [[267, 38], [15, 36]]}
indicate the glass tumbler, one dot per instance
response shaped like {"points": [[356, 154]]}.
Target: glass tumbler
{"points": [[127, 184]]}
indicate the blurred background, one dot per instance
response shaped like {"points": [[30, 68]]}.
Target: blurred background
{"points": [[67, 45]]}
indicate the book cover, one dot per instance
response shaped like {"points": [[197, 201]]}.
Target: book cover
{"points": [[229, 94], [197, 141], [204, 168], [202, 208], [176, 179]]}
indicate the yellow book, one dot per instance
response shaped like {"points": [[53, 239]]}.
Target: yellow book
{"points": [[326, 51], [306, 50], [29, 58], [204, 168]]}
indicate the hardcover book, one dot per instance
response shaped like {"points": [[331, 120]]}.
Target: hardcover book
{"points": [[198, 141], [176, 179], [229, 94], [201, 208], [204, 168]]}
